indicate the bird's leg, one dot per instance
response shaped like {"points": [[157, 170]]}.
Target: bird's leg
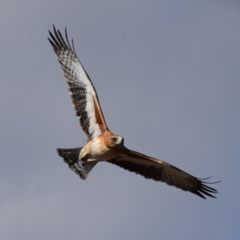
{"points": [[84, 154]]}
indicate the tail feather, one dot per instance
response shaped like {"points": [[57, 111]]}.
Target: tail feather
{"points": [[70, 156]]}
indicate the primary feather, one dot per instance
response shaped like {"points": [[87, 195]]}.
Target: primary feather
{"points": [[82, 92], [87, 107]]}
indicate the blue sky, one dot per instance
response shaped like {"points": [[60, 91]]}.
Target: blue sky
{"points": [[168, 78]]}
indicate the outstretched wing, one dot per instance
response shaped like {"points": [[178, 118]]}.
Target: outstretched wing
{"points": [[82, 92], [158, 170]]}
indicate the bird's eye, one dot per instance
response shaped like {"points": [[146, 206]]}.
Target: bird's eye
{"points": [[114, 139]]}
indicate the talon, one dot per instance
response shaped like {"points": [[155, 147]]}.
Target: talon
{"points": [[85, 158]]}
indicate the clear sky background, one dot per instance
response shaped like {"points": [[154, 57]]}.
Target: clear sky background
{"points": [[168, 79]]}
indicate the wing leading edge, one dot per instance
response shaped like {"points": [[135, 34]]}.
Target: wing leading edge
{"points": [[158, 170], [84, 96]]}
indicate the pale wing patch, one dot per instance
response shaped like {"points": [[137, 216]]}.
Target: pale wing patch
{"points": [[158, 170], [82, 92]]}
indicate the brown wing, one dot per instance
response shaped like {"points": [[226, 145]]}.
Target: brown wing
{"points": [[158, 170], [83, 94]]}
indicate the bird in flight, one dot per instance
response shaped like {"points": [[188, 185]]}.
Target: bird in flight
{"points": [[102, 144]]}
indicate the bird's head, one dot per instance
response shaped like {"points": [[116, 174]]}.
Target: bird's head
{"points": [[116, 141]]}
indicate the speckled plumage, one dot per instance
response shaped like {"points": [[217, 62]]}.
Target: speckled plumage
{"points": [[102, 144]]}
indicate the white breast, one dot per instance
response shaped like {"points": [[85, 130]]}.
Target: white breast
{"points": [[97, 149]]}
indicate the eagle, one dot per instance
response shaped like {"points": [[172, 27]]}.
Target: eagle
{"points": [[102, 144]]}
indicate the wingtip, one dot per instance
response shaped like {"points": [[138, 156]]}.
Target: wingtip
{"points": [[57, 40], [54, 29], [205, 190]]}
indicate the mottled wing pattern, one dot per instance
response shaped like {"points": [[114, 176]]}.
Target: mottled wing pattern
{"points": [[158, 170], [82, 92]]}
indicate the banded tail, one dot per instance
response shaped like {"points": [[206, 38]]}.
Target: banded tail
{"points": [[70, 156]]}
